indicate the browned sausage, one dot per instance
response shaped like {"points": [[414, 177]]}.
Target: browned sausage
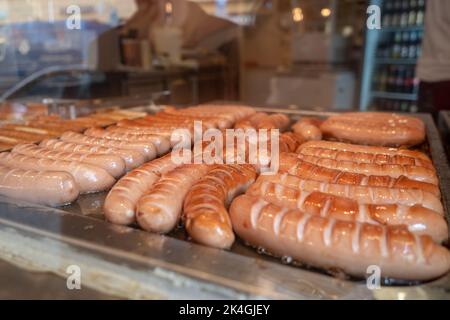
{"points": [[205, 207], [120, 204], [375, 128], [334, 244], [114, 165], [160, 209], [147, 148], [290, 163], [418, 219], [161, 143], [89, 178]]}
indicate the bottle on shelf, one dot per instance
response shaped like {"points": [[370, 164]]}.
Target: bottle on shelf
{"points": [[395, 105], [391, 82], [412, 46], [404, 106], [396, 79], [382, 80], [388, 14], [409, 81], [402, 45], [404, 15], [419, 44], [412, 12], [396, 46], [400, 79], [420, 16], [396, 13], [383, 50], [404, 52]]}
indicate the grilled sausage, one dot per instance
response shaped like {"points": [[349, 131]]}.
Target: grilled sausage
{"points": [[392, 170], [114, 165], [232, 113], [120, 203], [159, 210], [376, 151], [132, 128], [360, 157], [362, 194], [252, 122], [372, 128], [162, 144], [418, 219], [334, 244], [52, 188], [290, 163], [205, 207], [308, 128], [274, 121], [133, 159], [89, 178], [147, 149]]}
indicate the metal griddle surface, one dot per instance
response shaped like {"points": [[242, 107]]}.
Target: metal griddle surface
{"points": [[240, 273]]}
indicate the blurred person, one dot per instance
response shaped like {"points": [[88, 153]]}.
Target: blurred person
{"points": [[189, 17], [433, 69]]}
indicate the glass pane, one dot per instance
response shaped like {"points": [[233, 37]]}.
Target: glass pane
{"points": [[42, 35]]}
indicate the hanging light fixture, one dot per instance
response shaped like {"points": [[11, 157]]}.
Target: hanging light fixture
{"points": [[325, 12], [297, 14], [168, 7]]}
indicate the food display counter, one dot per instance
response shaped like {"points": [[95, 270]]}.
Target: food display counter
{"points": [[127, 262]]}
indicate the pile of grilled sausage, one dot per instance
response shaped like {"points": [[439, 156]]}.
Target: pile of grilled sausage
{"points": [[345, 195]]}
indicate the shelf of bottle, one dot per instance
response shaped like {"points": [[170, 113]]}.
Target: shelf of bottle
{"points": [[387, 109], [396, 61], [402, 28], [395, 95]]}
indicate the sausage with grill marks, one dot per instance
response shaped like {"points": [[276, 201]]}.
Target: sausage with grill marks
{"points": [[308, 128], [114, 165], [251, 122], [132, 128], [362, 194], [205, 207], [334, 244], [375, 128], [361, 157], [392, 170], [120, 203], [133, 159], [207, 121], [274, 121], [160, 209], [161, 143], [418, 219], [147, 148], [339, 146], [291, 164], [89, 178]]}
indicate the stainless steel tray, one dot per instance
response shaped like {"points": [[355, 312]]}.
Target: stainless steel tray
{"points": [[128, 262], [444, 128]]}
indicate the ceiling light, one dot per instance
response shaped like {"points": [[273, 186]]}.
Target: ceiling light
{"points": [[325, 12]]}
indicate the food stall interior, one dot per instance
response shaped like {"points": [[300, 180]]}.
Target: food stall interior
{"points": [[91, 93]]}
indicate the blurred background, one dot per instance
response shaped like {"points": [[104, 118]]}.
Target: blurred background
{"points": [[314, 54]]}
